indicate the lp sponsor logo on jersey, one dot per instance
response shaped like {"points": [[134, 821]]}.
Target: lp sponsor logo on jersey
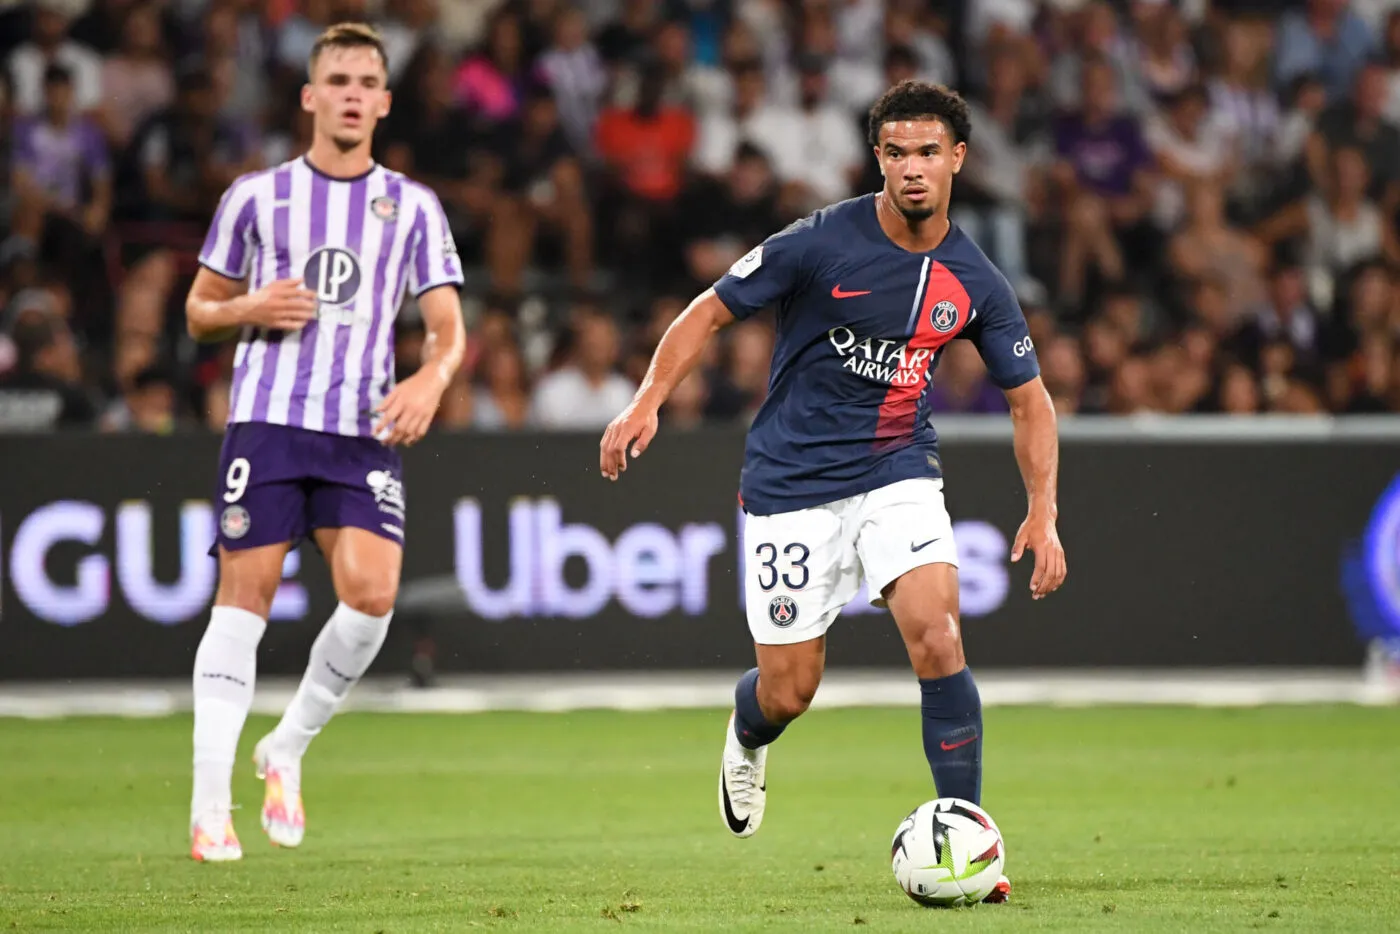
{"points": [[879, 359], [334, 274], [1022, 346]]}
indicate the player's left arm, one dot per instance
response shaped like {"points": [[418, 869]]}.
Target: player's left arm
{"points": [[408, 410], [1004, 341], [434, 273], [1038, 455]]}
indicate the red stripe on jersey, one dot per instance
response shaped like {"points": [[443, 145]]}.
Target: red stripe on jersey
{"points": [[899, 411]]}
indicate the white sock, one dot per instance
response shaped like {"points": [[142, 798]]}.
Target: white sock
{"points": [[342, 653], [225, 668]]}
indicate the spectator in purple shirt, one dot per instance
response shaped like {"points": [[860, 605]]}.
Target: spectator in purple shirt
{"points": [[62, 182], [61, 166], [1102, 174]]}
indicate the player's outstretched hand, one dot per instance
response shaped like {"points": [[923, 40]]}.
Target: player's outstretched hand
{"points": [[407, 411], [1039, 535], [284, 305], [636, 426]]}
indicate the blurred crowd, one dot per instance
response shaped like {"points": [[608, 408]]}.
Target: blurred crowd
{"points": [[1196, 200]]}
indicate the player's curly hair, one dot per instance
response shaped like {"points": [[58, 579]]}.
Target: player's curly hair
{"points": [[920, 100]]}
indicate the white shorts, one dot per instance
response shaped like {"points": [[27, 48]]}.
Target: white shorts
{"points": [[801, 568]]}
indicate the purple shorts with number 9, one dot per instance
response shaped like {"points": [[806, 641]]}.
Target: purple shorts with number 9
{"points": [[277, 484]]}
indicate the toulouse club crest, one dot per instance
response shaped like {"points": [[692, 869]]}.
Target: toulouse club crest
{"points": [[235, 522], [944, 317], [384, 208]]}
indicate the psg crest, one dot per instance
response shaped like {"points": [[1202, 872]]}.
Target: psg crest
{"points": [[782, 611], [944, 317]]}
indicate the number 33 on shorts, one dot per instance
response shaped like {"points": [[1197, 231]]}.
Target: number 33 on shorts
{"points": [[789, 563], [801, 568]]}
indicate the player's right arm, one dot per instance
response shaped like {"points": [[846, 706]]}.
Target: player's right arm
{"points": [[219, 303], [768, 273], [680, 349], [218, 307]]}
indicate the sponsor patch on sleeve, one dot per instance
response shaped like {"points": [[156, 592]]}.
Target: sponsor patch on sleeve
{"points": [[747, 264]]}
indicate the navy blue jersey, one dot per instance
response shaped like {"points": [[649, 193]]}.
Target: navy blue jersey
{"points": [[861, 322]]}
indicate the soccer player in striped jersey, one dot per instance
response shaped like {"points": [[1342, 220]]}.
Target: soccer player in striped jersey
{"points": [[307, 264]]}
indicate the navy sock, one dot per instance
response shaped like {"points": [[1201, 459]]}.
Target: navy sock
{"points": [[953, 734], [750, 726]]}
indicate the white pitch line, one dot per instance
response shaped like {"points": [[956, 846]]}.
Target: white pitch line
{"points": [[680, 690]]}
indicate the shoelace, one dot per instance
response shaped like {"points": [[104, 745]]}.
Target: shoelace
{"points": [[741, 781]]}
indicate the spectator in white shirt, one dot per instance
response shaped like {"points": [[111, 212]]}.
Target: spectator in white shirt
{"points": [[814, 148], [1191, 145], [575, 73], [714, 84], [854, 80], [587, 392], [751, 116], [822, 156], [49, 45], [1003, 17], [1007, 152], [407, 24]]}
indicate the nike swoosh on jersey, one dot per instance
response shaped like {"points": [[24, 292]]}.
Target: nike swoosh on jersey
{"points": [[948, 747], [736, 825], [913, 547], [837, 293]]}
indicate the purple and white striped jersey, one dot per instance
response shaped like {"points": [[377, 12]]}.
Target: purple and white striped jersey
{"points": [[357, 243]]}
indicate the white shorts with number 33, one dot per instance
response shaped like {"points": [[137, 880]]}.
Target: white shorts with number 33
{"points": [[801, 568]]}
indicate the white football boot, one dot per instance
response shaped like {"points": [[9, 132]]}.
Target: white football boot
{"points": [[283, 817], [212, 839], [742, 786]]}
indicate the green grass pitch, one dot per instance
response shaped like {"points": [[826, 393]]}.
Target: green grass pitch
{"points": [[1123, 819]]}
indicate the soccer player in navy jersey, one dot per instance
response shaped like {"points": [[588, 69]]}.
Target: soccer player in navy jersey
{"points": [[307, 264], [842, 479]]}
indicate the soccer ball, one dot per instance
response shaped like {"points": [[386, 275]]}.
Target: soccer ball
{"points": [[948, 852]]}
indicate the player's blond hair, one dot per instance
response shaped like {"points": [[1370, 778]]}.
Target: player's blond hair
{"points": [[347, 36]]}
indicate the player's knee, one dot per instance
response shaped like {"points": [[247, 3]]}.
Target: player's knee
{"points": [[936, 650], [371, 597], [250, 596], [787, 699]]}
